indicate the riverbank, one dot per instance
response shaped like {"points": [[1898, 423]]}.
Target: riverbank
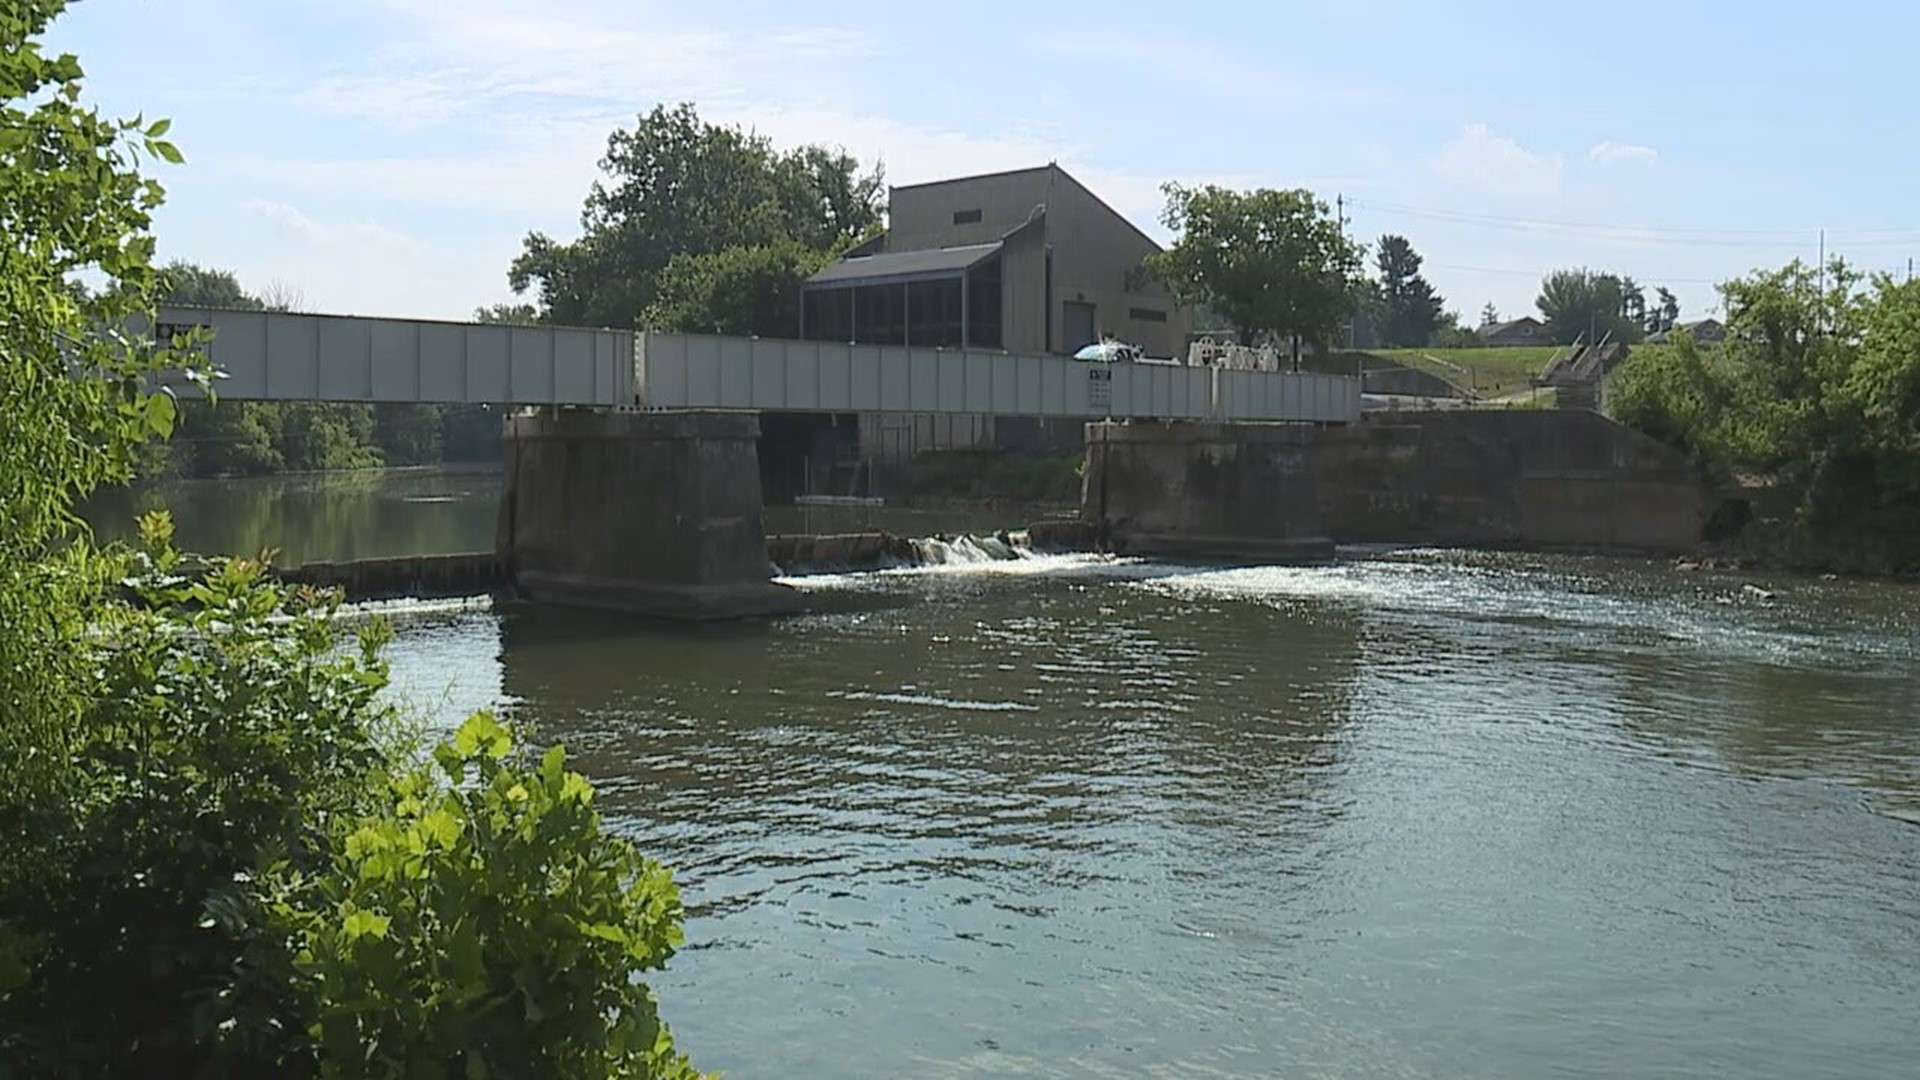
{"points": [[1770, 537]]}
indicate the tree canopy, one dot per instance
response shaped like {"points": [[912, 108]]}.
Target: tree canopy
{"points": [[677, 186], [1274, 264], [1816, 388], [741, 291], [1581, 303], [1410, 310]]}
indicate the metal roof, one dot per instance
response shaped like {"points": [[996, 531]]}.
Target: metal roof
{"points": [[901, 266]]}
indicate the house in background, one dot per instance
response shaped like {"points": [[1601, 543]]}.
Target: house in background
{"points": [[1028, 261], [1704, 331], [1525, 330]]}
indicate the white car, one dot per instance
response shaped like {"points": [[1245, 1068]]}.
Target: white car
{"points": [[1109, 352]]}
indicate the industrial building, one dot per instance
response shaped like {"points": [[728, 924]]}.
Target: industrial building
{"points": [[1029, 261]]}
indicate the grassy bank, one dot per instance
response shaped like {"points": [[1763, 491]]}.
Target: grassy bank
{"points": [[1489, 372]]}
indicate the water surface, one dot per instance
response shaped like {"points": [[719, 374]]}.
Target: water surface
{"points": [[1419, 814]]}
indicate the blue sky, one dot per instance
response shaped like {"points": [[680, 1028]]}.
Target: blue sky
{"points": [[387, 156]]}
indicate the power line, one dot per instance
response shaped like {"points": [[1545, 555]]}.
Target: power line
{"points": [[1663, 280], [1649, 233]]}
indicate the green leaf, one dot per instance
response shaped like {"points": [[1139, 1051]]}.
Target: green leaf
{"points": [[159, 128], [161, 414], [361, 924], [168, 152], [604, 932], [482, 735], [441, 828]]}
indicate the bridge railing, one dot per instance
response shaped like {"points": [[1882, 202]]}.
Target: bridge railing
{"points": [[280, 356], [691, 371]]}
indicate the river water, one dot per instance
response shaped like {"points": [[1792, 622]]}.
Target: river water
{"points": [[1416, 814]]}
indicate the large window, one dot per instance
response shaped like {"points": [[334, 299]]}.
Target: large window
{"points": [[983, 305], [937, 312], [829, 314]]}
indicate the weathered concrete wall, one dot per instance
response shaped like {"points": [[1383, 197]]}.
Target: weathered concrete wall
{"points": [[1206, 490], [838, 551], [653, 513], [1522, 478], [475, 573], [1496, 478]]}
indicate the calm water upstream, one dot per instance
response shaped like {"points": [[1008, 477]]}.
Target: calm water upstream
{"points": [[1420, 814]]}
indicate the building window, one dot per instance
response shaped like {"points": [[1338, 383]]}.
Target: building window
{"points": [[1142, 314], [966, 217]]}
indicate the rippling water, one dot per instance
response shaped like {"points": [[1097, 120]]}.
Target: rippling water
{"points": [[1415, 815]]}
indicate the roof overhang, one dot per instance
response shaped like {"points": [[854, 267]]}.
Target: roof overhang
{"points": [[902, 267]]}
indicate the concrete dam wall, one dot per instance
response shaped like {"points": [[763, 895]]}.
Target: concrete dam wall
{"points": [[1481, 478]]}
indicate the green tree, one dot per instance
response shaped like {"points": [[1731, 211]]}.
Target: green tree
{"points": [[72, 203], [1584, 304], [1489, 315], [1453, 334], [193, 767], [191, 285], [676, 185], [1816, 389], [508, 315], [321, 435], [407, 434], [1663, 316], [216, 438], [738, 291], [1411, 311], [1275, 264]]}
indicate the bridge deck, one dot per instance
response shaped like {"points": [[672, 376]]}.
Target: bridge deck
{"points": [[275, 356]]}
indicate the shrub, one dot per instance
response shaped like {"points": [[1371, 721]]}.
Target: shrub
{"points": [[481, 924], [196, 773], [248, 874]]}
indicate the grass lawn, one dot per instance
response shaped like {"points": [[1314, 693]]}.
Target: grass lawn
{"points": [[1489, 372]]}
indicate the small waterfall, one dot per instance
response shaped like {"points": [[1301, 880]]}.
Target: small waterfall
{"points": [[967, 550]]}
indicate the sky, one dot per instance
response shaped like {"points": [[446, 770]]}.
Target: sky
{"points": [[388, 157]]}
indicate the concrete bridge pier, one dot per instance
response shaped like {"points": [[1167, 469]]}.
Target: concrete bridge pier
{"points": [[1211, 491], [658, 514], [1487, 478]]}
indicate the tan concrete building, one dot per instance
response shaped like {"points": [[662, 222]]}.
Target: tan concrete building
{"points": [[1027, 261]]}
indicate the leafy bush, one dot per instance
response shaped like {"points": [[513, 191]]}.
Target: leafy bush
{"points": [[482, 925], [1816, 389], [210, 821], [247, 874], [223, 727]]}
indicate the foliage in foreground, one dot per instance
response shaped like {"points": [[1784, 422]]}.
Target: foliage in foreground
{"points": [[1816, 389], [219, 857], [482, 924]]}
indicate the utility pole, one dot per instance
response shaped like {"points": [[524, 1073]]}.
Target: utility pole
{"points": [[1353, 322]]}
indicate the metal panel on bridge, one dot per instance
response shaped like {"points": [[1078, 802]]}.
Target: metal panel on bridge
{"points": [[688, 371], [279, 356]]}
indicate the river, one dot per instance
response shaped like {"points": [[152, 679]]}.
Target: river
{"points": [[1416, 814]]}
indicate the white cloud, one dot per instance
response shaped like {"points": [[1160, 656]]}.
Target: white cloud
{"points": [[1494, 164], [1617, 153], [367, 236], [475, 123]]}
